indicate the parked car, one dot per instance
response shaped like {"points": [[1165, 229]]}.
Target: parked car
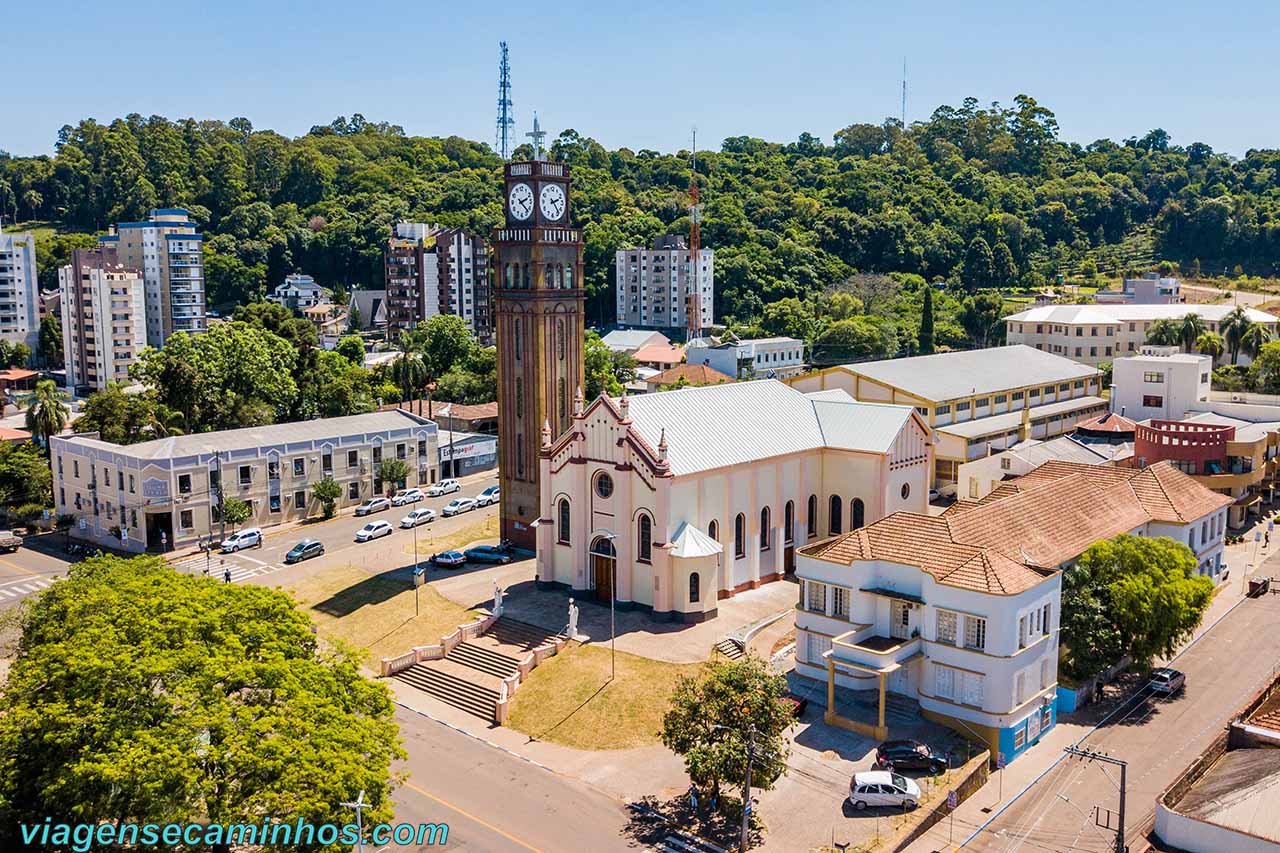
{"points": [[304, 550], [882, 788], [373, 530], [250, 537], [487, 554], [9, 542], [1166, 681], [449, 559], [421, 515], [457, 506], [934, 495], [373, 505], [407, 496], [490, 495], [910, 755], [444, 487]]}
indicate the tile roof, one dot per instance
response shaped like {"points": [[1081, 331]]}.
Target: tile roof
{"points": [[659, 354], [1108, 422], [1006, 542], [741, 422], [694, 374], [948, 375]]}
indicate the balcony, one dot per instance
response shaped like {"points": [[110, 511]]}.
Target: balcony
{"points": [[874, 652]]}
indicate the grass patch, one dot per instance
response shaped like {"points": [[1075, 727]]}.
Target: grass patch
{"points": [[375, 613], [463, 537], [569, 699]]}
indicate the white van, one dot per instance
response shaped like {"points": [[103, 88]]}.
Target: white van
{"points": [[250, 537], [883, 788]]}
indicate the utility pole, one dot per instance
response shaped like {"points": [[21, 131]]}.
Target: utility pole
{"points": [[222, 516], [1102, 758]]}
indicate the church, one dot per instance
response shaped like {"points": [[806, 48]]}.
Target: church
{"points": [[675, 500]]}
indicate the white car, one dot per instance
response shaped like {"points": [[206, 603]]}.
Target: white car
{"points": [[444, 487], [458, 505], [250, 537], [407, 496], [490, 495], [373, 505], [373, 530], [883, 788], [418, 516]]}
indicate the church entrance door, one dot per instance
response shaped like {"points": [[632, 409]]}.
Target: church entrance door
{"points": [[603, 568]]}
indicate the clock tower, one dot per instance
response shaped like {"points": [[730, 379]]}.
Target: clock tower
{"points": [[538, 299]]}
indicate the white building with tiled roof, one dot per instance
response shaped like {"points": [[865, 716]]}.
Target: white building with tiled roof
{"points": [[757, 468], [978, 401], [1093, 334], [960, 612]]}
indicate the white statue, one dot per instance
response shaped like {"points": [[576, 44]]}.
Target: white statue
{"points": [[498, 595], [573, 619]]}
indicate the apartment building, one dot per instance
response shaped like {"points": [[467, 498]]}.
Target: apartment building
{"points": [[961, 612], [432, 270], [654, 285], [1093, 334], [978, 401], [19, 290], [1161, 382], [103, 312], [754, 358], [299, 291], [168, 251], [166, 493]]}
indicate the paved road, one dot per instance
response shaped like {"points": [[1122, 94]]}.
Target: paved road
{"points": [[1157, 737], [1235, 297]]}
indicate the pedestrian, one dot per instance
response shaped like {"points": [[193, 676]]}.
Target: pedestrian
{"points": [[693, 798], [226, 575]]}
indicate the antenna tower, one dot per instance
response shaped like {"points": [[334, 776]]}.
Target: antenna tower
{"points": [[506, 121], [693, 305], [904, 91]]}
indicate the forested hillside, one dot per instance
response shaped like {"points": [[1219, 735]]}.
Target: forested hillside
{"points": [[977, 195]]}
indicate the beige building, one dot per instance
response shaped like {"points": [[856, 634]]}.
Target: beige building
{"points": [[169, 253], [165, 493], [978, 401], [103, 318]]}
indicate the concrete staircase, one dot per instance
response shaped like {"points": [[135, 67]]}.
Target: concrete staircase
{"points": [[470, 676], [730, 648]]}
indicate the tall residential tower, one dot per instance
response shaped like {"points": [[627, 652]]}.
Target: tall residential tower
{"points": [[655, 285], [432, 270], [19, 290], [103, 318], [167, 249]]}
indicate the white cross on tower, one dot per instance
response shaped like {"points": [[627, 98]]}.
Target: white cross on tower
{"points": [[536, 135]]}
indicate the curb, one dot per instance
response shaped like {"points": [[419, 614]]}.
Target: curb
{"points": [[476, 737]]}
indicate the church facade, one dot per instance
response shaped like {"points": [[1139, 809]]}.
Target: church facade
{"points": [[677, 500]]}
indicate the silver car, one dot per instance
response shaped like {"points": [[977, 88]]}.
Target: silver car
{"points": [[458, 505]]}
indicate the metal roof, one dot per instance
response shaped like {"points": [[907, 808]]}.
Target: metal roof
{"points": [[720, 425], [270, 435], [1101, 314], [948, 375], [630, 338]]}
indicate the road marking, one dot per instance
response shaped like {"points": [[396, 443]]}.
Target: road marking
{"points": [[23, 569], [471, 817]]}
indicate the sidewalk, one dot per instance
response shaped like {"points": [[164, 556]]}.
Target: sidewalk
{"points": [[1037, 760]]}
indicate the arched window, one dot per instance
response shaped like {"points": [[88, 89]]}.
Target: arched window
{"points": [[740, 536], [857, 514], [562, 395], [694, 583], [568, 277], [644, 537], [713, 530], [811, 524], [562, 524], [560, 347], [515, 337], [519, 398], [788, 522], [764, 529], [527, 277], [835, 511]]}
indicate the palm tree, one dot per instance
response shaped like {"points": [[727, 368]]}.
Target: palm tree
{"points": [[1164, 333], [46, 414], [1211, 344], [1233, 327], [1253, 339], [1190, 329]]}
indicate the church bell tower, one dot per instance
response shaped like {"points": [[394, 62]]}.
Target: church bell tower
{"points": [[538, 300]]}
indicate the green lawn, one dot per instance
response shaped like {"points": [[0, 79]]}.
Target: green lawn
{"points": [[569, 699]]}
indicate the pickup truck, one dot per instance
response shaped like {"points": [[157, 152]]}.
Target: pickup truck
{"points": [[8, 542]]}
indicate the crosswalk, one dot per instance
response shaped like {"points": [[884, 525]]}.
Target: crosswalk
{"points": [[243, 567], [24, 587], [683, 843]]}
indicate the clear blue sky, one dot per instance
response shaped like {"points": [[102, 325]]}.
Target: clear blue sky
{"points": [[642, 74]]}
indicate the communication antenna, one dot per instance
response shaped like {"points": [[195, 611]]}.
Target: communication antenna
{"points": [[693, 305], [506, 118], [904, 92]]}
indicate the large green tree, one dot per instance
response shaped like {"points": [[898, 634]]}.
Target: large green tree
{"points": [[138, 694]]}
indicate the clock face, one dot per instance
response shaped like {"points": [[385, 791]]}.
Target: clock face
{"points": [[520, 201], [551, 201]]}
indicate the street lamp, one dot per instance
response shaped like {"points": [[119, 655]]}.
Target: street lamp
{"points": [[609, 536]]}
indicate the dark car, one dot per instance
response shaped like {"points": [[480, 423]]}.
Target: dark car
{"points": [[487, 554], [449, 559], [909, 755], [304, 550], [1167, 681]]}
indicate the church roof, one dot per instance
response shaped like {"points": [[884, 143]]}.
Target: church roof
{"points": [[735, 423]]}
